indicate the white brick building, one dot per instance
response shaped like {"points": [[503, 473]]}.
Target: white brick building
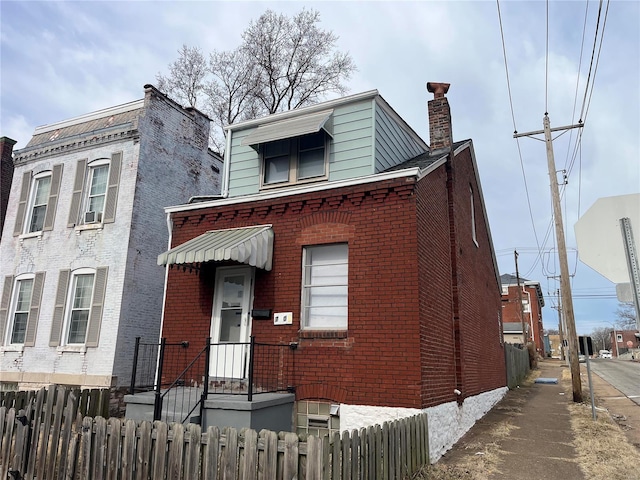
{"points": [[84, 226]]}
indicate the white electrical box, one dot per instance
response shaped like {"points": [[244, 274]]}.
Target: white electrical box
{"points": [[285, 318]]}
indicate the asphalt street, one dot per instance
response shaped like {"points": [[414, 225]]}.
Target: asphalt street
{"points": [[623, 375]]}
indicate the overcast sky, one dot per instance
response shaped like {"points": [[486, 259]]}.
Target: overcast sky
{"points": [[64, 59]]}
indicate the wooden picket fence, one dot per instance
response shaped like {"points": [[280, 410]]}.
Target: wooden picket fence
{"points": [[47, 440], [91, 402]]}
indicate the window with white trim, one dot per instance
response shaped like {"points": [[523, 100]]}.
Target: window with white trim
{"points": [[95, 191], [19, 308], [37, 201], [295, 160], [78, 307], [81, 293], [325, 274]]}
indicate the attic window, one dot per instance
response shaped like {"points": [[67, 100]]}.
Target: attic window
{"points": [[294, 160]]}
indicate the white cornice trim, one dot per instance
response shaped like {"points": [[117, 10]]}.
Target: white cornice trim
{"points": [[288, 192]]}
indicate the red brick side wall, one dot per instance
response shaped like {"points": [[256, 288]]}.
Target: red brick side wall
{"points": [[511, 313], [377, 362], [436, 299], [483, 366]]}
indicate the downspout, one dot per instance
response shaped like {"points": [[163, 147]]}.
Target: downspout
{"points": [[166, 274], [457, 334]]}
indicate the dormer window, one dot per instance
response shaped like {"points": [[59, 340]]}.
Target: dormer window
{"points": [[294, 150], [295, 160]]}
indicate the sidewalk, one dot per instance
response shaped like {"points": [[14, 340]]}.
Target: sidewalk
{"points": [[529, 431]]}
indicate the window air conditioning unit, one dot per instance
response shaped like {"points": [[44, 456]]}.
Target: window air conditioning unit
{"points": [[92, 217]]}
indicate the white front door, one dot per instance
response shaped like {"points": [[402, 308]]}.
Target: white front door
{"points": [[231, 325]]}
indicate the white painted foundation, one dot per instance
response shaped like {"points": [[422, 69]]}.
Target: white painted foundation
{"points": [[448, 422]]}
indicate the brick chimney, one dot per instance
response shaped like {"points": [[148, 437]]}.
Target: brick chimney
{"points": [[6, 175], [440, 134]]}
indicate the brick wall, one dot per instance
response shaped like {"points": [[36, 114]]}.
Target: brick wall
{"points": [[6, 175], [483, 366], [378, 360], [398, 350]]}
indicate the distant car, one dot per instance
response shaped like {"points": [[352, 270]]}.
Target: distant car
{"points": [[605, 354]]}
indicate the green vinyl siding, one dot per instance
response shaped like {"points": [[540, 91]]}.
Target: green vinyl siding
{"points": [[394, 144], [350, 153], [244, 166], [352, 144]]}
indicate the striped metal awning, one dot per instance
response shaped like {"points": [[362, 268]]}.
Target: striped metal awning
{"points": [[292, 127], [249, 245]]}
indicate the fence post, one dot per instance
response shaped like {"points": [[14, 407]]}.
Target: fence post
{"points": [[134, 371], [251, 360], [157, 405], [205, 386]]}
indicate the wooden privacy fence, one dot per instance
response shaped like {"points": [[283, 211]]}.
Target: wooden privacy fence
{"points": [[58, 444], [90, 402], [517, 363]]}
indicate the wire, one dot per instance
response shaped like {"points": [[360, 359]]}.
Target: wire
{"points": [[575, 97], [593, 52], [515, 130]]}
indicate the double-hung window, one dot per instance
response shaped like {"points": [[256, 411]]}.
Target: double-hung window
{"points": [[19, 308], [37, 201], [79, 304], [325, 274], [295, 160], [95, 191]]}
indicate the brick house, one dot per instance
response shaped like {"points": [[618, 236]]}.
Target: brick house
{"points": [[83, 229], [341, 232], [529, 315], [623, 341]]}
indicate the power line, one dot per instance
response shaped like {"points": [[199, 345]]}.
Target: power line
{"points": [[513, 118]]}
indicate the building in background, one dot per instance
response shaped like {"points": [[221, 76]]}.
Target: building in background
{"points": [[527, 313], [83, 228]]}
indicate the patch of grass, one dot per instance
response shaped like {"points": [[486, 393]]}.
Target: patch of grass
{"points": [[603, 451]]}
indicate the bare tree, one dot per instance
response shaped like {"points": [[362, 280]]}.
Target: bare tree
{"points": [[186, 80], [601, 338], [626, 316], [282, 63]]}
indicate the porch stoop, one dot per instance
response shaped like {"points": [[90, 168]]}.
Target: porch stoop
{"points": [[271, 411]]}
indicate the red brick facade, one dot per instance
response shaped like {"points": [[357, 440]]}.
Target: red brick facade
{"points": [[511, 313], [400, 348]]}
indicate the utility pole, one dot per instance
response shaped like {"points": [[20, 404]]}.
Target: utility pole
{"points": [[560, 326], [565, 285], [520, 312]]}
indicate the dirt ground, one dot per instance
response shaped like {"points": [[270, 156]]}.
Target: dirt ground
{"points": [[536, 430]]}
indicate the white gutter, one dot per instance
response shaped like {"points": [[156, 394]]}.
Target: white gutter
{"points": [[288, 192]]}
